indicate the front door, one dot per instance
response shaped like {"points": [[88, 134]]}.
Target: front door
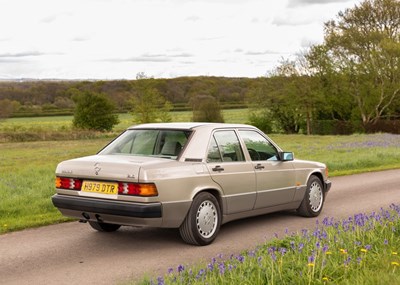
{"points": [[276, 179]]}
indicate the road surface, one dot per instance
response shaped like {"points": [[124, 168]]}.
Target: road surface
{"points": [[74, 253]]}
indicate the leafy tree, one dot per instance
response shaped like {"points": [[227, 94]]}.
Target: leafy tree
{"points": [[93, 111], [361, 56], [260, 114], [338, 101], [6, 108], [148, 105], [206, 109], [290, 96], [63, 102]]}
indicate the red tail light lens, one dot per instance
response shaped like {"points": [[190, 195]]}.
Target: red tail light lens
{"points": [[68, 183], [124, 188], [137, 189]]}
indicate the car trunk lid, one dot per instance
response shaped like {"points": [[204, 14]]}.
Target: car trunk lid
{"points": [[107, 167]]}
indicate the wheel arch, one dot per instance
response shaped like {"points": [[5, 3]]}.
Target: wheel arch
{"points": [[320, 177], [216, 193]]}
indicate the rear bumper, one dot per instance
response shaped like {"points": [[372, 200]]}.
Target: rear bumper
{"points": [[166, 215], [114, 212], [116, 208]]}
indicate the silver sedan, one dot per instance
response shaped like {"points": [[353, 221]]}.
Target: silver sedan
{"points": [[191, 176]]}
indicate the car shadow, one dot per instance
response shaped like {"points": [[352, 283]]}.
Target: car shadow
{"points": [[146, 238]]}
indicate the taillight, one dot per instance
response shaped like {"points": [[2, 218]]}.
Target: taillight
{"points": [[68, 183], [137, 189]]}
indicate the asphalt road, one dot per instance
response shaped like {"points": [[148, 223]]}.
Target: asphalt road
{"points": [[73, 253]]}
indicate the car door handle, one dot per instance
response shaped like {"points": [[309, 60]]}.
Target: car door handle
{"points": [[259, 166], [217, 168]]}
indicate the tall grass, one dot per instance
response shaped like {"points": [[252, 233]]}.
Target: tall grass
{"points": [[27, 180], [363, 249]]}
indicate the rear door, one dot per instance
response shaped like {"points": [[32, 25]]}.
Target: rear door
{"points": [[275, 179], [228, 168]]}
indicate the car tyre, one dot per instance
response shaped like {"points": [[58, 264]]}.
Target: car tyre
{"points": [[314, 198], [203, 220], [104, 227]]}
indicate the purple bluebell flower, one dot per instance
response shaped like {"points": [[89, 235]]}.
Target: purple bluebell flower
{"points": [[221, 267], [347, 260], [181, 268], [240, 258], [200, 274], [271, 249], [210, 266]]}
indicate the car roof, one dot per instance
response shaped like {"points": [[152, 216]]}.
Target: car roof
{"points": [[189, 125]]}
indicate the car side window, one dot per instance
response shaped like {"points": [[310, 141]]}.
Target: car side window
{"points": [[259, 147], [213, 152], [225, 147]]}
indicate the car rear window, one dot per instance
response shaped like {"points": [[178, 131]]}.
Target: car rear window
{"points": [[149, 142]]}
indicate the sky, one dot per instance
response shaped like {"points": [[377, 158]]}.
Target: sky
{"points": [[118, 39]]}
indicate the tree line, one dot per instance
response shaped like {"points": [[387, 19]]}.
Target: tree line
{"points": [[348, 83]]}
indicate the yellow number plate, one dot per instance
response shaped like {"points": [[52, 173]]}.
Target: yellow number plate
{"points": [[100, 187]]}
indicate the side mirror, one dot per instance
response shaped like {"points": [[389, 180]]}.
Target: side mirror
{"points": [[286, 156]]}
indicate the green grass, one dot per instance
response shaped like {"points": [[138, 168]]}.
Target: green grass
{"points": [[346, 155], [27, 180], [60, 127], [27, 168], [363, 249], [64, 123]]}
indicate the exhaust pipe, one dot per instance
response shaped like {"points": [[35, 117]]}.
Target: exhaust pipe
{"points": [[99, 219], [86, 216]]}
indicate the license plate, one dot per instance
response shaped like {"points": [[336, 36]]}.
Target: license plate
{"points": [[100, 187]]}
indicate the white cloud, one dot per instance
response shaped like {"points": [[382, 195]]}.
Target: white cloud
{"points": [[118, 38]]}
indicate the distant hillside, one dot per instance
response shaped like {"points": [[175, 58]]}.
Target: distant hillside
{"points": [[53, 97]]}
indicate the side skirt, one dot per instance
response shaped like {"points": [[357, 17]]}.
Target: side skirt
{"points": [[258, 212]]}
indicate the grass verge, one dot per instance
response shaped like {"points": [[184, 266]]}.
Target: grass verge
{"points": [[27, 180], [363, 249]]}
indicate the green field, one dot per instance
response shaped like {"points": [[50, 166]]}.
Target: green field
{"points": [[60, 123], [27, 183], [60, 127]]}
